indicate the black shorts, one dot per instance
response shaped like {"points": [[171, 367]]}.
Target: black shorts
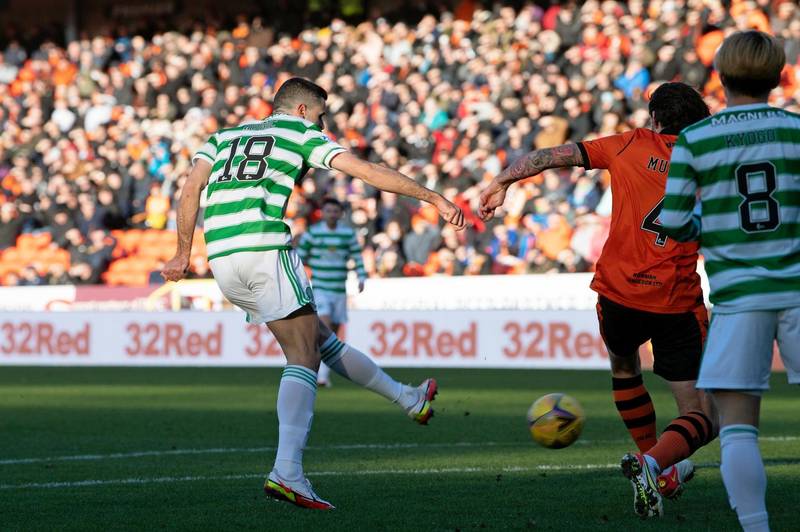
{"points": [[677, 339]]}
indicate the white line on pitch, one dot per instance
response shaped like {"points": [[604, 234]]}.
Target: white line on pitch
{"points": [[235, 450], [431, 471], [344, 447]]}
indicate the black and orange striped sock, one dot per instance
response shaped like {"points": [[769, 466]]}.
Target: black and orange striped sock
{"points": [[682, 438], [636, 408]]}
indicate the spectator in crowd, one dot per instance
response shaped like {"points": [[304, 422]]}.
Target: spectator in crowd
{"points": [[420, 242], [156, 207], [99, 251], [10, 225], [98, 134], [30, 277], [57, 275]]}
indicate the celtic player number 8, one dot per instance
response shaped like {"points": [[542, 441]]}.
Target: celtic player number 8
{"points": [[758, 211], [253, 165]]}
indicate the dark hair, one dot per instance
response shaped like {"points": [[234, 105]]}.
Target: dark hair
{"points": [[295, 91], [676, 106], [332, 201]]}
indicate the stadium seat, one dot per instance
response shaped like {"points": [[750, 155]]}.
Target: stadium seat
{"points": [[11, 255], [25, 241], [42, 240], [28, 254], [152, 250], [131, 240]]}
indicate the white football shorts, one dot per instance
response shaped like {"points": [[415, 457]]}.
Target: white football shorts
{"points": [[268, 285], [738, 353], [331, 304]]}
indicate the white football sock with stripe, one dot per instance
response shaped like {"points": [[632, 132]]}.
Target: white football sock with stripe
{"points": [[296, 395], [744, 476], [357, 367]]}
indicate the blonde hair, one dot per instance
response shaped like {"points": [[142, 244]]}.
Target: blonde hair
{"points": [[750, 63]]}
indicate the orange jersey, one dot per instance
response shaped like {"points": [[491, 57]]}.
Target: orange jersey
{"points": [[640, 267]]}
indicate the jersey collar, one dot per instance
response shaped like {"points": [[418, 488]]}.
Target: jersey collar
{"points": [[746, 107]]}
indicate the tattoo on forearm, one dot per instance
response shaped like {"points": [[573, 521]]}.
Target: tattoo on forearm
{"points": [[184, 232], [541, 160]]}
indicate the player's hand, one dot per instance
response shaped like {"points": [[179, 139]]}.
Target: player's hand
{"points": [[360, 285], [450, 213], [492, 197], [175, 269]]}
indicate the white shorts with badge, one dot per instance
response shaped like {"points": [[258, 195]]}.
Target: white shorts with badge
{"points": [[268, 285], [331, 304], [738, 354]]}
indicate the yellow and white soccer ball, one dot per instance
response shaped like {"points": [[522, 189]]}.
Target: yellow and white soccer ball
{"points": [[556, 420]]}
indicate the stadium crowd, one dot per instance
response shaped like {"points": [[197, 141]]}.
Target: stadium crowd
{"points": [[97, 135]]}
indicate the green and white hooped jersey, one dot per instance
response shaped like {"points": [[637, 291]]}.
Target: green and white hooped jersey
{"points": [[254, 170], [327, 251], [745, 161]]}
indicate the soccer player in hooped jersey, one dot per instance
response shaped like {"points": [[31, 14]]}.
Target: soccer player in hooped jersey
{"points": [[744, 162], [326, 248], [647, 283], [249, 173]]}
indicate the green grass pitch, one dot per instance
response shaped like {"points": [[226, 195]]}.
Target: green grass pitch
{"points": [[187, 449]]}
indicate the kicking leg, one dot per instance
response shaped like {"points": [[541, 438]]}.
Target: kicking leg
{"points": [[357, 367], [693, 428], [678, 341]]}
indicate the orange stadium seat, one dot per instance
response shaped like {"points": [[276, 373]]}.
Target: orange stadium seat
{"points": [[140, 279], [115, 279], [128, 278], [121, 265], [151, 236], [11, 255], [151, 251], [13, 266], [5, 269], [25, 241], [131, 240], [169, 236], [28, 255], [42, 240]]}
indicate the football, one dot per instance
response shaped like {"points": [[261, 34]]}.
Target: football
{"points": [[556, 420]]}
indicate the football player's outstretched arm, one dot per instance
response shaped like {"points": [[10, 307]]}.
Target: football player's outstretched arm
{"points": [[679, 216], [526, 166], [175, 269], [392, 181]]}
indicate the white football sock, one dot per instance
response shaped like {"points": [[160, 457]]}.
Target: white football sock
{"points": [[296, 395], [651, 462], [324, 373], [357, 367], [744, 476]]}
